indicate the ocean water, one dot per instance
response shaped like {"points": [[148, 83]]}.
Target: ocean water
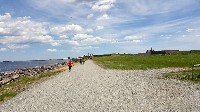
{"points": [[11, 66]]}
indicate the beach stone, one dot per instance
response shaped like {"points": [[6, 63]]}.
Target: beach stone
{"points": [[13, 75], [5, 80], [16, 76]]}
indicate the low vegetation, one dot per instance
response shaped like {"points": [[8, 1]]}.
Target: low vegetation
{"points": [[136, 62], [144, 62], [186, 75], [13, 88]]}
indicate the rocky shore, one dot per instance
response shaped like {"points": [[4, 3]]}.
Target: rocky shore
{"points": [[6, 77]]}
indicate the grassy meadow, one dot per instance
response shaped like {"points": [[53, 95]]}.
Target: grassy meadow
{"points": [[144, 62], [138, 62]]}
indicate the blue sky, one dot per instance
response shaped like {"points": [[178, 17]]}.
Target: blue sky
{"points": [[44, 29]]}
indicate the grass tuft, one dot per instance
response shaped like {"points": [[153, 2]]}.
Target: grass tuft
{"points": [[184, 76]]}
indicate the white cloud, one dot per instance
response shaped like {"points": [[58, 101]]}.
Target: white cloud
{"points": [[71, 42], [2, 49], [66, 29], [4, 31], [90, 16], [23, 30], [5, 17], [190, 30], [52, 50], [144, 7], [89, 30], [86, 39], [64, 36], [190, 36], [82, 48], [137, 41], [132, 37], [100, 27], [104, 17], [13, 46], [82, 36], [69, 30], [103, 5]]}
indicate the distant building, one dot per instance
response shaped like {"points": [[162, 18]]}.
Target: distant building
{"points": [[161, 52], [171, 51]]}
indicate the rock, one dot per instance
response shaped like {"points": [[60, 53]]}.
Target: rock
{"points": [[5, 80], [16, 76], [8, 76]]}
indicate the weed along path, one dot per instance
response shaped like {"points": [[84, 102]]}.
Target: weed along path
{"points": [[90, 88]]}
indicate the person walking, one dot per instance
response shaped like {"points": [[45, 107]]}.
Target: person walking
{"points": [[70, 64], [81, 61]]}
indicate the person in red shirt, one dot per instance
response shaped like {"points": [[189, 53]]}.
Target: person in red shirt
{"points": [[70, 64]]}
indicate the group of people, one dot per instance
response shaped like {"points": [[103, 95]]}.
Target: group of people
{"points": [[70, 63], [82, 61]]}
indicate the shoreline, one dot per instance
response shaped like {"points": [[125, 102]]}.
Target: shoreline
{"points": [[13, 65], [9, 76]]}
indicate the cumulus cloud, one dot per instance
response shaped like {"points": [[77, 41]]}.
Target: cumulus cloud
{"points": [[5, 17], [104, 17], [67, 28], [103, 5], [132, 37], [90, 16], [191, 35], [89, 30], [82, 48], [88, 39], [22, 30], [100, 27], [3, 49], [13, 46], [149, 7], [82, 36], [52, 50], [4, 30], [135, 39], [64, 36], [71, 42], [190, 30], [85, 39]]}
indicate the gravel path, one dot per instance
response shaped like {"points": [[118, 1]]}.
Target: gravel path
{"points": [[91, 88]]}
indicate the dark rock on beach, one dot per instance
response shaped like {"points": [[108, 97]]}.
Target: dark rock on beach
{"points": [[6, 77]]}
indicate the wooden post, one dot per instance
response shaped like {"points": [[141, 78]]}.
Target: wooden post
{"points": [[197, 65]]}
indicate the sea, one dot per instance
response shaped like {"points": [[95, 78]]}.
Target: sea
{"points": [[13, 65]]}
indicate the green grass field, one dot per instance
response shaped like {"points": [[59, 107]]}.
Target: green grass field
{"points": [[136, 62]]}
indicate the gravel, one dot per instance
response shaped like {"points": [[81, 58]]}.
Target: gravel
{"points": [[89, 87]]}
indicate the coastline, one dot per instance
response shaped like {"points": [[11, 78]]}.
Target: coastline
{"points": [[13, 65], [9, 76]]}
